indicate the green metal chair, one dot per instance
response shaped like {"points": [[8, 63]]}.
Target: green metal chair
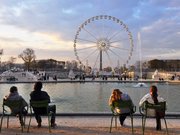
{"points": [[40, 104], [13, 108], [123, 104], [161, 107]]}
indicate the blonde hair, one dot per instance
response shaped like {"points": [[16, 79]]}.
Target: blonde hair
{"points": [[115, 96]]}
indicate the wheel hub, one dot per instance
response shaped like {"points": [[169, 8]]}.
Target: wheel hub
{"points": [[103, 44]]}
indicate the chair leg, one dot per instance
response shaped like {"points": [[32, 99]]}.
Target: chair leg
{"points": [[1, 123], [21, 120], [111, 124], [7, 121], [49, 123], [24, 121], [143, 124], [132, 124], [166, 126], [22, 128], [29, 123], [116, 122]]}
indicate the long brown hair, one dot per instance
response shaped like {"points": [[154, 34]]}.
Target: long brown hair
{"points": [[153, 91], [115, 96]]}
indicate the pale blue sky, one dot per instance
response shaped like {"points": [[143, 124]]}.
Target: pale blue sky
{"points": [[49, 26]]}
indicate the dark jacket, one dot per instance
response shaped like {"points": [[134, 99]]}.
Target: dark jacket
{"points": [[38, 96]]}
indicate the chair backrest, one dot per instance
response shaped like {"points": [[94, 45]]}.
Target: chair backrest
{"points": [[40, 107], [160, 107], [15, 106], [39, 104], [123, 104]]}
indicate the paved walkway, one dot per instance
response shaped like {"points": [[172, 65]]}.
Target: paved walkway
{"points": [[90, 125]]}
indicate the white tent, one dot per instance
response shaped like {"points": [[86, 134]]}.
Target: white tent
{"points": [[155, 76], [6, 73], [71, 74], [18, 76]]}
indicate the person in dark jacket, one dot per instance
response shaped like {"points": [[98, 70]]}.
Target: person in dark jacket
{"points": [[39, 95]]}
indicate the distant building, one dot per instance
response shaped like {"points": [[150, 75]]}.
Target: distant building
{"points": [[50, 64], [165, 65]]}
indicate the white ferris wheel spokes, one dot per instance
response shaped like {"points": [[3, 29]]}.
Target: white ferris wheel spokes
{"points": [[104, 38]]}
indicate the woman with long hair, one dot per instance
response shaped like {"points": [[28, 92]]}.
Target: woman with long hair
{"points": [[118, 96]]}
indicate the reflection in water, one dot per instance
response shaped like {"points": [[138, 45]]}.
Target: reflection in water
{"points": [[100, 97], [93, 97]]}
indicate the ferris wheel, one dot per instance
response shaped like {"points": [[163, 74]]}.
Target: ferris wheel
{"points": [[103, 41]]}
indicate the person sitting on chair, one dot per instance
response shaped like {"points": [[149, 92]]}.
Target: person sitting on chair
{"points": [[39, 95], [14, 96], [153, 98], [118, 96]]}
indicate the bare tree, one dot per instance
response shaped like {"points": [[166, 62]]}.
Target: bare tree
{"points": [[28, 56]]}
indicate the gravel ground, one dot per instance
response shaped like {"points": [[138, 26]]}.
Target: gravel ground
{"points": [[89, 125]]}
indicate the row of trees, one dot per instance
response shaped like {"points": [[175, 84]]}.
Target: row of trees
{"points": [[28, 56], [30, 63]]}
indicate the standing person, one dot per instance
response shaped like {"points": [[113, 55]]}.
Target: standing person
{"points": [[118, 96], [14, 96], [39, 95], [153, 98]]}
